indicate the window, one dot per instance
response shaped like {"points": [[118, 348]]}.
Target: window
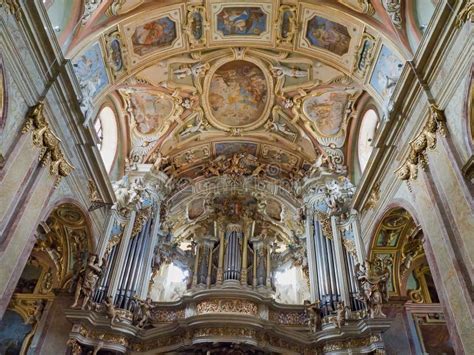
{"points": [[366, 136], [106, 129]]}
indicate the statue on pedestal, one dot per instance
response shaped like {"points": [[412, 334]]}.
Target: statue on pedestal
{"points": [[372, 280], [314, 315], [88, 281]]}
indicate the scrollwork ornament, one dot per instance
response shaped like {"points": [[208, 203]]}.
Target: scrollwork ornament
{"points": [[394, 10], [196, 25], [286, 25]]}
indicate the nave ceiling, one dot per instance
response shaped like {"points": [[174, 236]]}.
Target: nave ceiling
{"points": [[268, 89]]}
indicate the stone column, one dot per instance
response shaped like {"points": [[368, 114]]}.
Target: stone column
{"points": [[311, 255], [341, 270], [256, 247], [121, 255], [268, 283], [209, 243], [361, 253], [220, 265], [153, 241], [108, 231], [248, 226], [196, 264]]}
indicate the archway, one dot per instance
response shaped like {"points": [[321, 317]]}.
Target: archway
{"points": [[413, 299], [63, 242]]}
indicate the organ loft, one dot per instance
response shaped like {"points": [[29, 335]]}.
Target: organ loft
{"points": [[236, 177]]}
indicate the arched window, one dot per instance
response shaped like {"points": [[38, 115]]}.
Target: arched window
{"points": [[106, 129], [366, 136]]}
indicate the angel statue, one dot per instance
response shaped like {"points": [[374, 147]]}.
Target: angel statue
{"points": [[372, 280], [314, 315]]}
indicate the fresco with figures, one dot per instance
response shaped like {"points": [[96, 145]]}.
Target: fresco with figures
{"points": [[153, 35], [238, 93], [328, 35], [386, 73], [13, 331], [149, 110], [327, 111], [238, 21], [230, 148], [90, 71]]}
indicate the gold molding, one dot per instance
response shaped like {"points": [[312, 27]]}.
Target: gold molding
{"points": [[426, 140], [44, 138], [466, 14]]}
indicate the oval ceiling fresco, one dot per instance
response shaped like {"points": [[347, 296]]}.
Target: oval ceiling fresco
{"points": [[327, 111], [238, 94]]}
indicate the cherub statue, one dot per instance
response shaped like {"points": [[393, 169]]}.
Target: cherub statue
{"points": [[314, 315], [340, 318], [88, 283]]}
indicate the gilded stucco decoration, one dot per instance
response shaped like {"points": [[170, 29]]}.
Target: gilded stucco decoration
{"points": [[401, 240], [424, 141], [394, 10], [47, 141], [13, 6], [466, 14], [62, 243]]}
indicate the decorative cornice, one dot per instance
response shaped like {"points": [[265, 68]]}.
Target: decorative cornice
{"points": [[44, 138], [417, 154]]}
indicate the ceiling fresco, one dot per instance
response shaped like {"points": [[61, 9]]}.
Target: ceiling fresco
{"points": [[272, 84]]}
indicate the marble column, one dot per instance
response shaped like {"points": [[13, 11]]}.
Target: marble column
{"points": [[311, 256], [118, 269], [220, 265], [341, 270]]}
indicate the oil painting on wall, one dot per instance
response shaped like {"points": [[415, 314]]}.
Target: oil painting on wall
{"points": [[153, 35], [247, 21], [386, 73], [13, 332], [149, 110], [327, 111], [238, 93], [90, 71], [328, 35]]}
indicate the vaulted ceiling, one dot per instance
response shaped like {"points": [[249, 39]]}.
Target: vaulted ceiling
{"points": [[277, 82]]}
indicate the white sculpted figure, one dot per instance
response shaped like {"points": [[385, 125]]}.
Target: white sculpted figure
{"points": [[282, 127], [196, 70], [279, 71], [194, 128]]}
